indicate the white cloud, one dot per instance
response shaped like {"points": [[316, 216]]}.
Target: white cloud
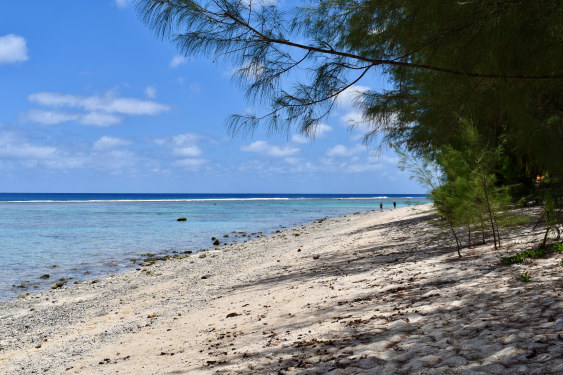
{"points": [[58, 117], [107, 142], [185, 146], [99, 119], [48, 117], [186, 139], [16, 153], [265, 148], [351, 95], [259, 3], [107, 103], [189, 151], [394, 160], [150, 92], [190, 164], [123, 3], [100, 111], [177, 61], [317, 132], [343, 151], [300, 138], [361, 168], [12, 147], [250, 70], [13, 49], [321, 129]]}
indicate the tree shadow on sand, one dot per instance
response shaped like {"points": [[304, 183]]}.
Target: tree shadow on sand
{"points": [[436, 321]]}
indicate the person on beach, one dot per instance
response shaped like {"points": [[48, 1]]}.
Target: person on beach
{"points": [[381, 206], [394, 205]]}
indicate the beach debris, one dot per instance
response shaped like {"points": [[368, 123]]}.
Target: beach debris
{"points": [[233, 314], [46, 276], [299, 250], [182, 219], [315, 257], [152, 316], [205, 277]]}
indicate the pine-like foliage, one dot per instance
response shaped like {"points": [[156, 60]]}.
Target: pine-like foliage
{"points": [[494, 63]]}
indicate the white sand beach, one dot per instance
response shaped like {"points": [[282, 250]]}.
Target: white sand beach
{"points": [[369, 293]]}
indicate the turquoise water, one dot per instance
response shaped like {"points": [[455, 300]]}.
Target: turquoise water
{"points": [[85, 236]]}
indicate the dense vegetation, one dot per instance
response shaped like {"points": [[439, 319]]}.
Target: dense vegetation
{"points": [[475, 87]]}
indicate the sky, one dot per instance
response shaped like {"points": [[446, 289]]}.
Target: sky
{"points": [[93, 101]]}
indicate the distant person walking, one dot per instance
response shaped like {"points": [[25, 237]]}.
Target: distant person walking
{"points": [[381, 206], [394, 205]]}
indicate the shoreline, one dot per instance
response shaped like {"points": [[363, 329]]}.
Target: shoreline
{"points": [[347, 295], [32, 269]]}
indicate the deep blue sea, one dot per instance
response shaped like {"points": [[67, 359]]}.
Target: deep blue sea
{"points": [[86, 236]]}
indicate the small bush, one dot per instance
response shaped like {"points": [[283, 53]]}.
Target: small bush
{"points": [[521, 256], [525, 277]]}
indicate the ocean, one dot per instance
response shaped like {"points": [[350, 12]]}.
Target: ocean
{"points": [[86, 236]]}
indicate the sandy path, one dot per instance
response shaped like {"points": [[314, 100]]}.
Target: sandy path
{"points": [[368, 293]]}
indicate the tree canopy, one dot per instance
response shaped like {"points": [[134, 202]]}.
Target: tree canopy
{"points": [[495, 64]]}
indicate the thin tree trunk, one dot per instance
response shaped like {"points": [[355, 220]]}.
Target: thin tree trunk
{"points": [[468, 235], [458, 245], [545, 238], [486, 193], [498, 231]]}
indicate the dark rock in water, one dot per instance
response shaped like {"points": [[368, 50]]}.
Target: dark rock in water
{"points": [[182, 219], [187, 252], [213, 238], [46, 276], [58, 284], [226, 236], [216, 242]]}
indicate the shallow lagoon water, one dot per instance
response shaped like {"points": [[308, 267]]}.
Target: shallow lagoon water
{"points": [[85, 236]]}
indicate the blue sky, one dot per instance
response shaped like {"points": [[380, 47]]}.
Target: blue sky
{"points": [[93, 101]]}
